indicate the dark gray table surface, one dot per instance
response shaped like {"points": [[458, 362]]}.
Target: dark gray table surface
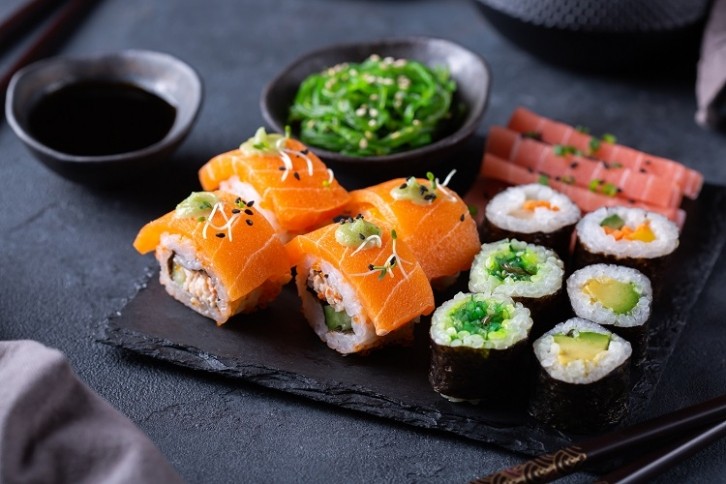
{"points": [[67, 263]]}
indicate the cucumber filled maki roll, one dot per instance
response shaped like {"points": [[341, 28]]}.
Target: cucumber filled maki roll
{"points": [[528, 273], [479, 348], [617, 297], [584, 377], [532, 213], [626, 236]]}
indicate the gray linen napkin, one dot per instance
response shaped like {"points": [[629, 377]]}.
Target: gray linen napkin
{"points": [[53, 428], [711, 81]]}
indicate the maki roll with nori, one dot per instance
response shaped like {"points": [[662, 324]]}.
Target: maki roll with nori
{"points": [[528, 273], [532, 213], [479, 348], [584, 377], [630, 237], [617, 297]]}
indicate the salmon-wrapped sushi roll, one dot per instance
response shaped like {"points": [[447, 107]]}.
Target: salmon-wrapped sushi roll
{"points": [[428, 217], [217, 255], [360, 287], [291, 186]]}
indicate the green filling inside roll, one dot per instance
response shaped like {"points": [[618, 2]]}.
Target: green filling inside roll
{"points": [[519, 265], [475, 317]]}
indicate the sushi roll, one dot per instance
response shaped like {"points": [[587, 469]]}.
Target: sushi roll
{"points": [[630, 237], [217, 255], [617, 297], [428, 217], [479, 346], [584, 377], [531, 213], [360, 286], [528, 273], [290, 185]]}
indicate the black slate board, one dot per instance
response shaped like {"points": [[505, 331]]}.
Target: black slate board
{"points": [[275, 348]]}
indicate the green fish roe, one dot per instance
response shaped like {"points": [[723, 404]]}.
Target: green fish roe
{"points": [[476, 317], [519, 265]]}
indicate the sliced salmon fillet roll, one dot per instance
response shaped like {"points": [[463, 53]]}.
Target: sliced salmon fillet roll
{"points": [[552, 132], [360, 286], [217, 255], [430, 218], [292, 187], [582, 171], [496, 168]]}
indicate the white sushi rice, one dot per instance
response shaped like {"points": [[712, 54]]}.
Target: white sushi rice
{"points": [[506, 210], [547, 281], [580, 371], [443, 333], [594, 238], [342, 297], [589, 308]]}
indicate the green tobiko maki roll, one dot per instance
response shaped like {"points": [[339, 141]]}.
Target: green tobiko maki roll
{"points": [[528, 273], [584, 377], [479, 348]]}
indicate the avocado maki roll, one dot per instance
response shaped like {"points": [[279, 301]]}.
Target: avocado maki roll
{"points": [[479, 348], [532, 213], [528, 273], [584, 377], [617, 297], [631, 237]]}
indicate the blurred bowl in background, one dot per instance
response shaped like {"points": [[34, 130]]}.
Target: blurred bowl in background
{"points": [[603, 35]]}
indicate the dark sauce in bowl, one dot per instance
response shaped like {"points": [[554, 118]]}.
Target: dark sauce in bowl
{"points": [[97, 118]]}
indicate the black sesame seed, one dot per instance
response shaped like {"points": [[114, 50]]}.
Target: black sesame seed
{"points": [[326, 275], [642, 170], [630, 200], [361, 236], [281, 168], [249, 212], [220, 235], [403, 186], [238, 200], [371, 267], [359, 216], [235, 210], [647, 162], [530, 170], [393, 260], [305, 151], [462, 217], [250, 203], [574, 165], [296, 175], [248, 222]]}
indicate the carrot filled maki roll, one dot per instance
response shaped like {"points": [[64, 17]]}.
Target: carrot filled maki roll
{"points": [[430, 218], [360, 286], [217, 255], [292, 187]]}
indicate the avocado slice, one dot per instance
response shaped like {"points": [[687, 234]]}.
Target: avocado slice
{"points": [[620, 297], [336, 320], [585, 346]]}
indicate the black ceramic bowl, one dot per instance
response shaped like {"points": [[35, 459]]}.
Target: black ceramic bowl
{"points": [[156, 73], [604, 36], [468, 70]]}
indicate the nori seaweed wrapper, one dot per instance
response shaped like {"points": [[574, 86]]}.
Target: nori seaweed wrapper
{"points": [[654, 267], [557, 240], [637, 336], [546, 311], [581, 408], [494, 377]]}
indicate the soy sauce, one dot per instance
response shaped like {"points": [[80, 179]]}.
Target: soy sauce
{"points": [[100, 118]]}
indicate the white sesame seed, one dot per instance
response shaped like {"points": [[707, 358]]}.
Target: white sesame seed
{"points": [[363, 143], [372, 123], [373, 112]]}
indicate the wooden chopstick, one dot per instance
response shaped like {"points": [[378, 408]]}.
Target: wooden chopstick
{"points": [[551, 466], [67, 17], [653, 463], [22, 19]]}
